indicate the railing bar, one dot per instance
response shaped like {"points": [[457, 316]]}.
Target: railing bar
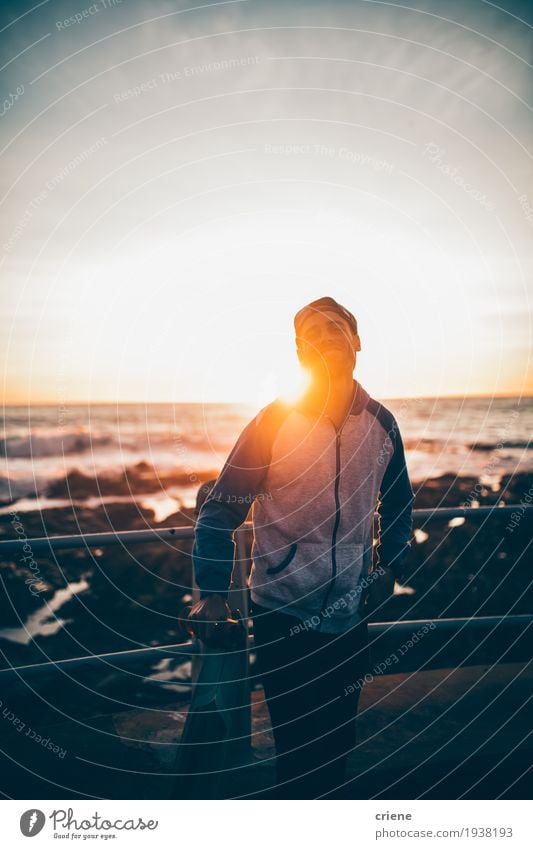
{"points": [[186, 649], [375, 628], [466, 512], [451, 624], [97, 540]]}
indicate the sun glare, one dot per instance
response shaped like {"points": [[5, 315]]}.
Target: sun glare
{"points": [[293, 384], [286, 384]]}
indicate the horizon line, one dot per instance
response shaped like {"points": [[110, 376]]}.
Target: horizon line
{"points": [[79, 403]]}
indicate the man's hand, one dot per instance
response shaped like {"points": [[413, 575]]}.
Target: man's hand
{"points": [[379, 589], [212, 621]]}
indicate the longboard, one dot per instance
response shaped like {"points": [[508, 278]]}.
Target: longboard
{"points": [[214, 736]]}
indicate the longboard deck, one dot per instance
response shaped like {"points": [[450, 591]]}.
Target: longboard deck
{"points": [[212, 741]]}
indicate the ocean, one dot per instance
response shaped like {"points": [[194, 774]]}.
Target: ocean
{"points": [[174, 446]]}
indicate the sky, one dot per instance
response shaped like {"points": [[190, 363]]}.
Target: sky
{"points": [[178, 179]]}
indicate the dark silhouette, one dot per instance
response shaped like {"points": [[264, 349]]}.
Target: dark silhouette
{"points": [[315, 471]]}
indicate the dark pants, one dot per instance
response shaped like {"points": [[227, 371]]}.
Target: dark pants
{"points": [[312, 683]]}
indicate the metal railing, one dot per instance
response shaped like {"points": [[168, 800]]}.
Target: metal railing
{"points": [[105, 538], [515, 626]]}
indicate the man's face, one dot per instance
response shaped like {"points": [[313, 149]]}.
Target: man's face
{"points": [[327, 342]]}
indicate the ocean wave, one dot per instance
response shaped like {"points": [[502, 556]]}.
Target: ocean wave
{"points": [[433, 446], [430, 446], [52, 445], [497, 446]]}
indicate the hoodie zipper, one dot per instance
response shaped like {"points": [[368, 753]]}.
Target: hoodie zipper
{"points": [[336, 523]]}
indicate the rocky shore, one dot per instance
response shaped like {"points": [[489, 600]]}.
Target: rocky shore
{"points": [[128, 598]]}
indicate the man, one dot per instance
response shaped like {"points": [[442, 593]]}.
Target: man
{"points": [[315, 471]]}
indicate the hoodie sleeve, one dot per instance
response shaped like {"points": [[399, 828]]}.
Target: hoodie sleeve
{"points": [[228, 504], [395, 507]]}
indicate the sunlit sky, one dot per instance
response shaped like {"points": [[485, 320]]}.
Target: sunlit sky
{"points": [[179, 178]]}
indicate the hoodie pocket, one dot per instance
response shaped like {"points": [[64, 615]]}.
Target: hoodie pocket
{"points": [[273, 570], [298, 574]]}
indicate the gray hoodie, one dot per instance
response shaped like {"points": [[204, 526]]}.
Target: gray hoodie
{"points": [[314, 490]]}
